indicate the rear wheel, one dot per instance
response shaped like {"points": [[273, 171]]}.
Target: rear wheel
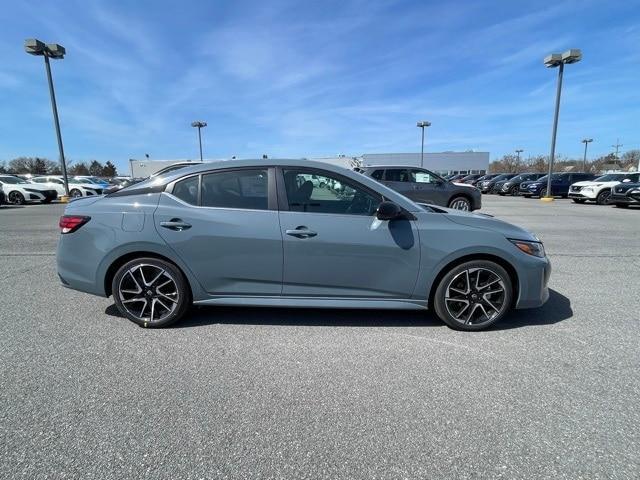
{"points": [[460, 203], [151, 292], [603, 197], [16, 198], [473, 295]]}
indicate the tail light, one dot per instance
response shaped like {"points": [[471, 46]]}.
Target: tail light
{"points": [[71, 223]]}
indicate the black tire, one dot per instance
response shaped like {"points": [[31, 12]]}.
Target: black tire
{"points": [[622, 205], [543, 193], [578, 200], [75, 193], [125, 279], [460, 203], [513, 191], [603, 197], [441, 300], [16, 198]]}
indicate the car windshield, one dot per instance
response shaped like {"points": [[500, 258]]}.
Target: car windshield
{"points": [[12, 180], [505, 176], [610, 177]]}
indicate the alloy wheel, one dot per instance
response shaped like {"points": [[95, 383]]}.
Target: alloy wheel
{"points": [[15, 198], [460, 204], [75, 193], [148, 293], [475, 296]]}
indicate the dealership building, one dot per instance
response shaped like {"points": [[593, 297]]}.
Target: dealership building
{"points": [[443, 163]]}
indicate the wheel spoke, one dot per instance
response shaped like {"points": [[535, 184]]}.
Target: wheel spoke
{"points": [[163, 304], [168, 296], [144, 307], [135, 281], [153, 309], [157, 277], [135, 299]]}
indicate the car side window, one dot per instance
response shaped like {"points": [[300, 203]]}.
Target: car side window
{"points": [[187, 190], [39, 180], [634, 177], [245, 189], [377, 174], [329, 194], [420, 176], [397, 175]]}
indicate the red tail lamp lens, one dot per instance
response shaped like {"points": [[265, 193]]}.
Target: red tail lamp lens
{"points": [[71, 223]]}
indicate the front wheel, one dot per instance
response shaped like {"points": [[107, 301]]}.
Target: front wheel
{"points": [[473, 295], [460, 203], [543, 193], [151, 292], [75, 193], [603, 197], [16, 198]]}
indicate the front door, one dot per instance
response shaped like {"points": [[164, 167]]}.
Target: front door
{"points": [[334, 246], [225, 228]]}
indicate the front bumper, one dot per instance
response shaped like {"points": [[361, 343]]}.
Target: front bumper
{"points": [[534, 283], [623, 199]]}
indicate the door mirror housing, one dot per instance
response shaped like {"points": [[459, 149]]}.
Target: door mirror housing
{"points": [[388, 211]]}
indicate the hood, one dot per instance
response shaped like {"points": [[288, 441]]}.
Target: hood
{"points": [[40, 187], [591, 183], [487, 222], [463, 184]]}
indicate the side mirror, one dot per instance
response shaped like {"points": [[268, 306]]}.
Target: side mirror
{"points": [[388, 211]]}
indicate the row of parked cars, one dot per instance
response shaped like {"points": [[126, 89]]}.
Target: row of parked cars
{"points": [[619, 189], [18, 190]]}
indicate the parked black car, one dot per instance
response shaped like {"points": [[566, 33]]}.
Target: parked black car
{"points": [[512, 186], [487, 186], [3, 199], [560, 183], [421, 185], [625, 194], [471, 179]]}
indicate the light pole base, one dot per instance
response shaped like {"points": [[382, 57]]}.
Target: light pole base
{"points": [[546, 199], [63, 199]]}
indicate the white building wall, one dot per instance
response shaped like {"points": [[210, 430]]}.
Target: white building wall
{"points": [[444, 162]]}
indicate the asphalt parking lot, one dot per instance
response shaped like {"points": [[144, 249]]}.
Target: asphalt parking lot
{"points": [[285, 393]]}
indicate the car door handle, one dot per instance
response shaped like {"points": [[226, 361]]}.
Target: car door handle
{"points": [[301, 232], [176, 224]]}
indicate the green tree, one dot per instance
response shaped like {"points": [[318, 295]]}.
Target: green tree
{"points": [[95, 168], [109, 170], [79, 169]]}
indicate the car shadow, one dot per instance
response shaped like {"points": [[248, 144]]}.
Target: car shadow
{"points": [[557, 309], [5, 206]]}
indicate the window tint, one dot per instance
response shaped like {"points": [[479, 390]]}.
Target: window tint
{"points": [[236, 189], [40, 180], [187, 190], [327, 194], [633, 177], [397, 175], [378, 174]]}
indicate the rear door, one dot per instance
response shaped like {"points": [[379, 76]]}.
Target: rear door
{"points": [[224, 225], [334, 246]]}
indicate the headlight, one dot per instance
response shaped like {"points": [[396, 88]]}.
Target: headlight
{"points": [[531, 248]]}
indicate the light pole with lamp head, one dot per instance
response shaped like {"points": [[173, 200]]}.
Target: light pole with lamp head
{"points": [[586, 142], [422, 125], [52, 50], [199, 125], [518, 152], [551, 61]]}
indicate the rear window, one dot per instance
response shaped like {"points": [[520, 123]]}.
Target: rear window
{"points": [[377, 174]]}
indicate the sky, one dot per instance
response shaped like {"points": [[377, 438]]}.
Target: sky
{"points": [[317, 78]]}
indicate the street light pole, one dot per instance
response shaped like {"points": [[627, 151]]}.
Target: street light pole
{"points": [[518, 152], [422, 125], [586, 142], [551, 61], [199, 125], [53, 50]]}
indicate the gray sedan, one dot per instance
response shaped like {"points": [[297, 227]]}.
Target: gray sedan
{"points": [[293, 233]]}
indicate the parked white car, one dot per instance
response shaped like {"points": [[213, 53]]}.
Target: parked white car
{"points": [[599, 190], [77, 188], [18, 191]]}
